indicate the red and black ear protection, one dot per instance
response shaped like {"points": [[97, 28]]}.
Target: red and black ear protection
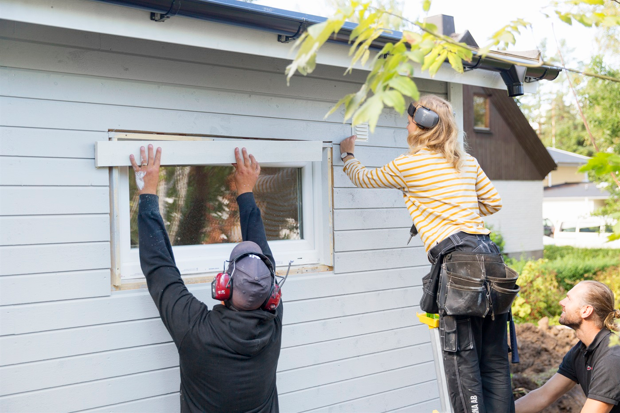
{"points": [[221, 286]]}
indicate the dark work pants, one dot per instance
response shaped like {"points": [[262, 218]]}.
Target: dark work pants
{"points": [[477, 373]]}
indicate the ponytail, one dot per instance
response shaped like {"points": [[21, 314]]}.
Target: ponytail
{"points": [[609, 320], [601, 298]]}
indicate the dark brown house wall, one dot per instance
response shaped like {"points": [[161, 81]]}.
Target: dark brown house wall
{"points": [[498, 151]]}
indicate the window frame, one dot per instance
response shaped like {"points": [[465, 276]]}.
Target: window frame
{"points": [[198, 261], [487, 117]]}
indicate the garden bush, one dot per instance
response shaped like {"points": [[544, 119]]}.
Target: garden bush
{"points": [[545, 282]]}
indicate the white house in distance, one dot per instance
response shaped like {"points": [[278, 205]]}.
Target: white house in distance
{"points": [[569, 201], [568, 194], [78, 330]]}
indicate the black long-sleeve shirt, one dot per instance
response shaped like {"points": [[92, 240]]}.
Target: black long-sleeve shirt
{"points": [[228, 359]]}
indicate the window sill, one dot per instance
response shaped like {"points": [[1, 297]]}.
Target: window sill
{"points": [[140, 283], [486, 131]]}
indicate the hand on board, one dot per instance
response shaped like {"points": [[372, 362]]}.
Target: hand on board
{"points": [[147, 173], [246, 171], [348, 144]]}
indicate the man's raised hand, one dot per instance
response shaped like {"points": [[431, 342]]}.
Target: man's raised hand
{"points": [[246, 171], [147, 173]]}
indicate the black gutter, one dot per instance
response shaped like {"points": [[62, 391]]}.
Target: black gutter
{"points": [[290, 24]]}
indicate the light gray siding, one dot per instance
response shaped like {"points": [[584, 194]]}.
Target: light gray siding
{"points": [[351, 341]]}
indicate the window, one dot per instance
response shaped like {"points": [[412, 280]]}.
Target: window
{"points": [[481, 112], [590, 229], [198, 202]]}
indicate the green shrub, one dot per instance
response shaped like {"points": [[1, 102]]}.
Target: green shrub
{"points": [[497, 238], [540, 293], [545, 282]]}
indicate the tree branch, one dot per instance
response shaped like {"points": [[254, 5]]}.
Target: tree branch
{"points": [[448, 39], [583, 118]]}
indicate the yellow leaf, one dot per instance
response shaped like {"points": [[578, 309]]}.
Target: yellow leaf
{"points": [[437, 63], [430, 58], [412, 37], [455, 62]]}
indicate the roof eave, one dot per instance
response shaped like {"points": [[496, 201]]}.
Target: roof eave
{"points": [[289, 23]]}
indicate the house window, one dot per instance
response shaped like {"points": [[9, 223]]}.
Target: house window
{"points": [[199, 209], [481, 112]]}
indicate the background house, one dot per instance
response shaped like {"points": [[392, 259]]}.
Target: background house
{"points": [[499, 135], [78, 330], [568, 194]]}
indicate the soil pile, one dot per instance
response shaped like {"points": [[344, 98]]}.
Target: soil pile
{"points": [[541, 349]]}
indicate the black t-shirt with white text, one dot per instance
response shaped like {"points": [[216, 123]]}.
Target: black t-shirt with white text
{"points": [[596, 368]]}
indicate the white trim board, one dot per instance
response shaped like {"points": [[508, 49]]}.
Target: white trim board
{"points": [[116, 153], [97, 17]]}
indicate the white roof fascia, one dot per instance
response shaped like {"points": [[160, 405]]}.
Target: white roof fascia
{"points": [[98, 17]]}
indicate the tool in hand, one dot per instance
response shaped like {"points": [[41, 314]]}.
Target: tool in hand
{"points": [[412, 232]]}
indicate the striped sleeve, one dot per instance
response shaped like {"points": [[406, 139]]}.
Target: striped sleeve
{"points": [[489, 201], [387, 176]]}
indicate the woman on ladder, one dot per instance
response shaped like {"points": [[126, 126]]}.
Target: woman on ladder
{"points": [[447, 194]]}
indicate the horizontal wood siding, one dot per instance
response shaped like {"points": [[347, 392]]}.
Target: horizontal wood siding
{"points": [[351, 339]]}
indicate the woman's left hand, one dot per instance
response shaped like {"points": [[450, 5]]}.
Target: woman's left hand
{"points": [[348, 144]]}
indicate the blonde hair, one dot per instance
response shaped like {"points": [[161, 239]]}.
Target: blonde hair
{"points": [[443, 138], [601, 298]]}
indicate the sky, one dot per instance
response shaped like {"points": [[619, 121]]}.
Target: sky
{"points": [[482, 18]]}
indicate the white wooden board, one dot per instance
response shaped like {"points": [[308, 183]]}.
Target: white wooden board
{"points": [[318, 353], [94, 394], [54, 258], [23, 289], [379, 259], [54, 229], [54, 200], [49, 142], [90, 367], [395, 399], [348, 219], [347, 369], [50, 172], [169, 403], [371, 239], [110, 153], [349, 390]]}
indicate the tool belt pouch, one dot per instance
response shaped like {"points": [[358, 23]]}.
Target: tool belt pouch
{"points": [[448, 327], [475, 284], [430, 284]]}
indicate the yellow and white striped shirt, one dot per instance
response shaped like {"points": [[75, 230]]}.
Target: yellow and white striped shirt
{"points": [[440, 200]]}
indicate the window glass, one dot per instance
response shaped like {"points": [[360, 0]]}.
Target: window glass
{"points": [[568, 229], [608, 229], [590, 229], [198, 204], [481, 112]]}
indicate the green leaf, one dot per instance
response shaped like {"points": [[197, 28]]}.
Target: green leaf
{"points": [[394, 99], [594, 2], [426, 6], [437, 63], [430, 58], [565, 18], [405, 86], [415, 55], [369, 112], [455, 62], [316, 29], [344, 101]]}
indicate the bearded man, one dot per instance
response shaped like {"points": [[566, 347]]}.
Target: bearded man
{"points": [[592, 363]]}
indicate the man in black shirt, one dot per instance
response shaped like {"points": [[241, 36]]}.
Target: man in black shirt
{"points": [[228, 355], [594, 362]]}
